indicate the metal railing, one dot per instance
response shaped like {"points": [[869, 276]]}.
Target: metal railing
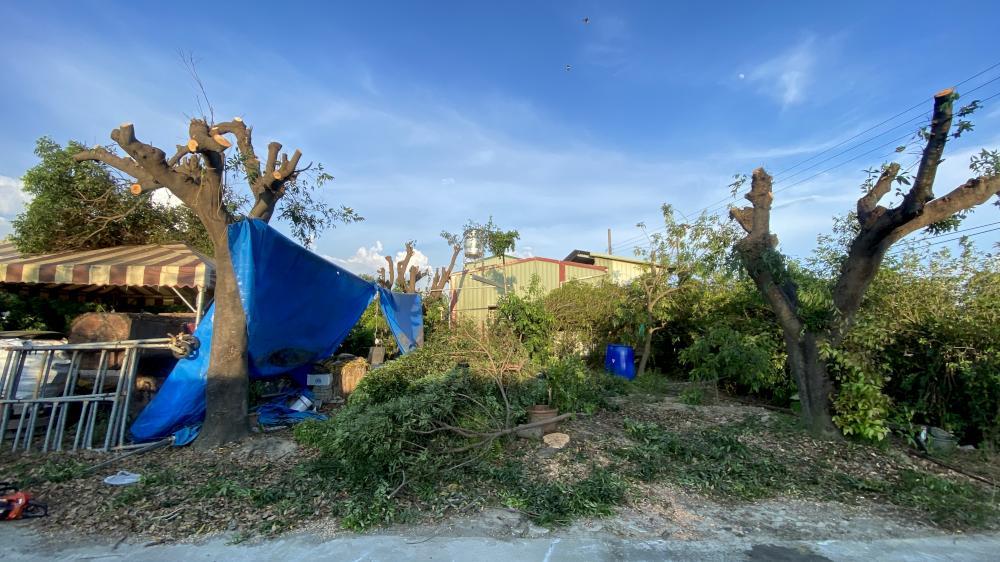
{"points": [[97, 418]]}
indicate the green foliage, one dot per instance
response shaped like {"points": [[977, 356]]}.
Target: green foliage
{"points": [[952, 505], [394, 378], [558, 503], [370, 448], [436, 312], [62, 470], [527, 318], [860, 407], [650, 382], [577, 388], [986, 163], [362, 336], [692, 396], [306, 215], [932, 322], [495, 239], [588, 316], [713, 461], [748, 362], [82, 205], [34, 313]]}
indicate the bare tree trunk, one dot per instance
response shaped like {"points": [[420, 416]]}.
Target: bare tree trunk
{"points": [[647, 348], [810, 374], [227, 378]]}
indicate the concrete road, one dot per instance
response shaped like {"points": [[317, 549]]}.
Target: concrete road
{"points": [[19, 542]]}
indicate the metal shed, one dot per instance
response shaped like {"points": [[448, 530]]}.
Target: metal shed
{"points": [[476, 289], [621, 269]]}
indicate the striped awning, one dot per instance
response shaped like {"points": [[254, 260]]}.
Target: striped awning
{"points": [[154, 265]]}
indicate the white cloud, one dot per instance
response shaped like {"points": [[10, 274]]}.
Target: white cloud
{"points": [[368, 259], [365, 259], [12, 199], [787, 76], [526, 252]]}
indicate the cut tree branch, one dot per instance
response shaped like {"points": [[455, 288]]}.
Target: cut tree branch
{"points": [[244, 142], [443, 275], [757, 252], [868, 204], [145, 181], [923, 185]]}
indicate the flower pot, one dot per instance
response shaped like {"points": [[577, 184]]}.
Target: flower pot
{"points": [[541, 412]]}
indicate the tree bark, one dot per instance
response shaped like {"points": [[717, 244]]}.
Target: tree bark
{"points": [[647, 346], [763, 263], [813, 381], [227, 381]]}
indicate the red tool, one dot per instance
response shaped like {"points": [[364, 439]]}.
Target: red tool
{"points": [[19, 505]]}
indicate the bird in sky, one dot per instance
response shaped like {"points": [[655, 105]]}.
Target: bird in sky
{"points": [[586, 20]]}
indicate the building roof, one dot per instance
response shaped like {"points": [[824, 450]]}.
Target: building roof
{"points": [[584, 256], [153, 265], [478, 266]]}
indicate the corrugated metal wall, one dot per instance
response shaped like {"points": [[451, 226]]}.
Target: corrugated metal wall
{"points": [[476, 298], [619, 271]]}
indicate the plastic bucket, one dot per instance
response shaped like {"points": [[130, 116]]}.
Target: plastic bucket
{"points": [[619, 360], [301, 404]]}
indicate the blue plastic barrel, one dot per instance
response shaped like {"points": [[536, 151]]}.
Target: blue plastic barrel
{"points": [[620, 360]]}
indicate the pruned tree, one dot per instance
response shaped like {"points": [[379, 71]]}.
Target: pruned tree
{"points": [[197, 175], [402, 276], [878, 227], [442, 275]]}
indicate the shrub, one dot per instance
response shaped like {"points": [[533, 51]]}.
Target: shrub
{"points": [[577, 388], [557, 503], [393, 378], [373, 447], [931, 323], [411, 422], [859, 407], [586, 315], [525, 316], [745, 362]]}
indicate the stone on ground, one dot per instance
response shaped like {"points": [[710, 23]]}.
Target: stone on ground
{"points": [[556, 440]]}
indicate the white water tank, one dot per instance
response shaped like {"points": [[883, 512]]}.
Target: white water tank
{"points": [[473, 244]]}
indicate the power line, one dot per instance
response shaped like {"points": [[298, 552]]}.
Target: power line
{"points": [[963, 236], [712, 206], [717, 208], [903, 124], [917, 241], [923, 244]]}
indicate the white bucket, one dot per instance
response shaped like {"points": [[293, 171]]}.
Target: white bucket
{"points": [[301, 404]]}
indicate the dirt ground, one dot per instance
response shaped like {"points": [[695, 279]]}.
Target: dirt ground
{"points": [[191, 495]]}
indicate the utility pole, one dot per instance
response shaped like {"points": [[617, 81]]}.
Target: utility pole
{"points": [[609, 241]]}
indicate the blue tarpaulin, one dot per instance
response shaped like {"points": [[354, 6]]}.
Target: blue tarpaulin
{"points": [[299, 305], [405, 316], [299, 309]]}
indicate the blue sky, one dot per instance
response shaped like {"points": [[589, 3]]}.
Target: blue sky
{"points": [[432, 113]]}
